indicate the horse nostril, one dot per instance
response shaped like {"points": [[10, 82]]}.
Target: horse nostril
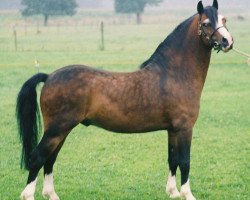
{"points": [[225, 41], [216, 44]]}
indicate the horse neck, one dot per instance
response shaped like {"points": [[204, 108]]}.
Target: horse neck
{"points": [[186, 56], [195, 54]]}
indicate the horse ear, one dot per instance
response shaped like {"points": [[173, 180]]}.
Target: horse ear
{"points": [[215, 4], [200, 8]]}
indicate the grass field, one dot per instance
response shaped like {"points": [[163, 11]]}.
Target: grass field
{"points": [[97, 164]]}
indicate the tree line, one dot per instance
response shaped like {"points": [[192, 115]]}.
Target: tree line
{"points": [[49, 8]]}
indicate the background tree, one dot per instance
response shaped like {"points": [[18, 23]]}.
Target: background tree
{"points": [[134, 6], [48, 8]]}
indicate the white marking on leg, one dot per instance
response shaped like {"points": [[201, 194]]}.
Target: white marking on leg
{"points": [[29, 191], [186, 192], [48, 188], [171, 188]]}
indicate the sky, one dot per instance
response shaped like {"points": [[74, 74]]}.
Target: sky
{"points": [[108, 4]]}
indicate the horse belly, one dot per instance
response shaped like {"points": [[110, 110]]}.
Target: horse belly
{"points": [[114, 119], [126, 127]]}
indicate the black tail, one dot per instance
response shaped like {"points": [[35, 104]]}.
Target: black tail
{"points": [[28, 116]]}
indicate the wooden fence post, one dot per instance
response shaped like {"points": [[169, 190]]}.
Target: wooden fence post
{"points": [[102, 37], [25, 29], [15, 38], [58, 28], [37, 28]]}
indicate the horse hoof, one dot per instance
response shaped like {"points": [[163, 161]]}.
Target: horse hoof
{"points": [[50, 195], [191, 198], [188, 197], [173, 193], [26, 197]]}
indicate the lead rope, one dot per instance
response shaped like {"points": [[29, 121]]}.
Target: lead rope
{"points": [[243, 54]]}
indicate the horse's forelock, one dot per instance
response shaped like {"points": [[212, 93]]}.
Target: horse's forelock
{"points": [[212, 15]]}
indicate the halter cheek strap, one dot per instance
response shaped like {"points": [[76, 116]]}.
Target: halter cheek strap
{"points": [[210, 39], [201, 32], [216, 31]]}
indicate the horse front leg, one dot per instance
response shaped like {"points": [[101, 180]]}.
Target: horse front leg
{"points": [[179, 144], [173, 161], [184, 138]]}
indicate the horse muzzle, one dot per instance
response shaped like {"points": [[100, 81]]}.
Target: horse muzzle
{"points": [[226, 44]]}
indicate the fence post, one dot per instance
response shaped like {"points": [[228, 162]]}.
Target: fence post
{"points": [[102, 36], [15, 38], [25, 29], [58, 27], [37, 27]]}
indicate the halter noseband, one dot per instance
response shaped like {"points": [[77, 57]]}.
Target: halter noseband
{"points": [[212, 43]]}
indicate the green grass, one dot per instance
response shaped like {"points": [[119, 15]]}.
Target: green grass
{"points": [[97, 164]]}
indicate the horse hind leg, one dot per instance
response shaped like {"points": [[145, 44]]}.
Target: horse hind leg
{"points": [[49, 143], [48, 186]]}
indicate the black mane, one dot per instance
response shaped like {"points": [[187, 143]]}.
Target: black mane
{"points": [[174, 40]]}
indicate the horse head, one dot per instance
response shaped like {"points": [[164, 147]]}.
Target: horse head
{"points": [[212, 28]]}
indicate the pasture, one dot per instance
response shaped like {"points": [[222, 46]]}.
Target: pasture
{"points": [[97, 164]]}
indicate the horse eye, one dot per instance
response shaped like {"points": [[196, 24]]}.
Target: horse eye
{"points": [[207, 24], [224, 20]]}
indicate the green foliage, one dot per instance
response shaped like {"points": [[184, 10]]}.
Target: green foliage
{"points": [[48, 8], [133, 6]]}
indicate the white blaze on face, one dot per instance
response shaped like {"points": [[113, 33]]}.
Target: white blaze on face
{"points": [[206, 21], [223, 31]]}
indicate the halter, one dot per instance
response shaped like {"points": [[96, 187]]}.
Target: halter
{"points": [[212, 43]]}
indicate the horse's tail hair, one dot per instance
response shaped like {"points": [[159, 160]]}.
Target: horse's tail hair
{"points": [[28, 117]]}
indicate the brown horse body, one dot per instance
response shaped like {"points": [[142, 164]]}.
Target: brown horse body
{"points": [[139, 102], [149, 99], [163, 95]]}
